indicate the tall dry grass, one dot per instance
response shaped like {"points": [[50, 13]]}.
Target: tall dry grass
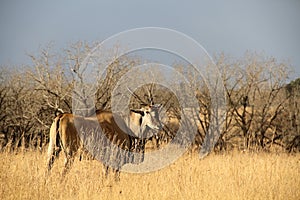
{"points": [[228, 176]]}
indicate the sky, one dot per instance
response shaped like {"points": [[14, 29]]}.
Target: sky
{"points": [[271, 27]]}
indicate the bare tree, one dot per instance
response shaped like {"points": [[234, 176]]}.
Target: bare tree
{"points": [[262, 111], [254, 89]]}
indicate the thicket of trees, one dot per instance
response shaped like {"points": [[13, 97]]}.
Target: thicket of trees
{"points": [[263, 111]]}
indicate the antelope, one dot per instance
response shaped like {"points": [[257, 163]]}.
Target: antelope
{"points": [[127, 136]]}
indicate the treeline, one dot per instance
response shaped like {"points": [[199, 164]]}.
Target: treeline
{"points": [[263, 111]]}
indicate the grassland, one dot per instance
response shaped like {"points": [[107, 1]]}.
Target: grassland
{"points": [[224, 176]]}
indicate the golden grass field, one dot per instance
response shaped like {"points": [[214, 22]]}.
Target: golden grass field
{"points": [[224, 176]]}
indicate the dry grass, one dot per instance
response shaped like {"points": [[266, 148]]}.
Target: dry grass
{"points": [[230, 176]]}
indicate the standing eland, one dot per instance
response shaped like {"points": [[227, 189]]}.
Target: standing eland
{"points": [[126, 136]]}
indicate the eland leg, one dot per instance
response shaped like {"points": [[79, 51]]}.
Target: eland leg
{"points": [[69, 160]]}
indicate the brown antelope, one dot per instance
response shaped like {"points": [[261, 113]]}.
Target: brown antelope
{"points": [[129, 137]]}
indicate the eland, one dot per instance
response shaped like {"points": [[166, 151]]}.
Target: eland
{"points": [[128, 135]]}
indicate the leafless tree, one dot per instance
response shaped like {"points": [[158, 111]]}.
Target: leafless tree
{"points": [[262, 110]]}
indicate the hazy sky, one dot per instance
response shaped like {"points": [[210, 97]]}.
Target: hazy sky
{"points": [[232, 26]]}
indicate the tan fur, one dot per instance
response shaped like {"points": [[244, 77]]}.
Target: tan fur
{"points": [[63, 127], [70, 142]]}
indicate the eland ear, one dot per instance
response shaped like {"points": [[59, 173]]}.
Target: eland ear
{"points": [[138, 111]]}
